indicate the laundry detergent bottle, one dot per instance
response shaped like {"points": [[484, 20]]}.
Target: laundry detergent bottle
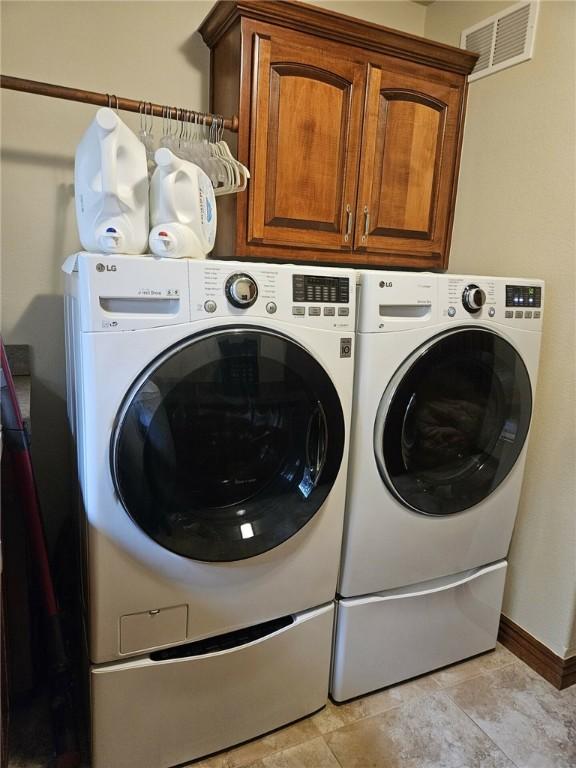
{"points": [[182, 208], [111, 187]]}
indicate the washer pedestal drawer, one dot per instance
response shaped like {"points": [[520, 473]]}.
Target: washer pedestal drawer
{"points": [[150, 713], [392, 636]]}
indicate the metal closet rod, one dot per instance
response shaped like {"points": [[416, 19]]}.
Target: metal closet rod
{"points": [[111, 100]]}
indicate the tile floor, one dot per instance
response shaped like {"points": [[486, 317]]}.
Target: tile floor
{"points": [[490, 712]]}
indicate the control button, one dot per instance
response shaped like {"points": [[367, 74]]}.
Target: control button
{"points": [[451, 311], [491, 312], [271, 307], [508, 313], [518, 313], [298, 311], [210, 306], [343, 311], [330, 311], [314, 311], [536, 315], [473, 298], [241, 290], [528, 315]]}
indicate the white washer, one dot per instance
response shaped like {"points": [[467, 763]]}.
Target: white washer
{"points": [[446, 369], [210, 403]]}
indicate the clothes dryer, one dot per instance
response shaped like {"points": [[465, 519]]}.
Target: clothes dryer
{"points": [[210, 403], [446, 369]]}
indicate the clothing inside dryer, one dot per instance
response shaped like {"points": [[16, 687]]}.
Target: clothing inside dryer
{"points": [[229, 445], [456, 422]]}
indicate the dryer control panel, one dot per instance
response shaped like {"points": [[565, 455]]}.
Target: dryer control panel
{"points": [[511, 301], [528, 296]]}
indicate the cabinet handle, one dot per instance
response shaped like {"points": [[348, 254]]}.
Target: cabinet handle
{"points": [[366, 223], [348, 223]]}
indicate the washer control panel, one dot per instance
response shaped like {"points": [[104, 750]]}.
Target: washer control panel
{"points": [[318, 288], [323, 298]]}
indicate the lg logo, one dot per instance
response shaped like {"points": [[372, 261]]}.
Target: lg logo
{"points": [[383, 284], [105, 267]]}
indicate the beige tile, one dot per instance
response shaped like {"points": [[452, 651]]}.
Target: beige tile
{"points": [[283, 738], [532, 722], [253, 751], [428, 732], [237, 757], [396, 695], [311, 754], [335, 716], [455, 674]]}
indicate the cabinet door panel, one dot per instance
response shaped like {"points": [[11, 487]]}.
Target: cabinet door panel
{"points": [[407, 167], [307, 113], [410, 148]]}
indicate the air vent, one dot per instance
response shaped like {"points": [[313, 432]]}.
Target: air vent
{"points": [[502, 40]]}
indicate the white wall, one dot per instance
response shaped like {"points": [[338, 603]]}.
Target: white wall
{"points": [[515, 216], [147, 50], [398, 14]]}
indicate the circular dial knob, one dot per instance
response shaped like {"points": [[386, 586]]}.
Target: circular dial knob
{"points": [[241, 290], [473, 298]]}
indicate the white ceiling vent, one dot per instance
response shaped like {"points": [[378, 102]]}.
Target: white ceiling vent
{"points": [[502, 40]]}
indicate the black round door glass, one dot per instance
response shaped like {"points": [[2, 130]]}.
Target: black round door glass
{"points": [[453, 421], [228, 444]]}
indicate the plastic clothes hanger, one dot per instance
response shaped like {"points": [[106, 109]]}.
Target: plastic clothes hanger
{"points": [[145, 134]]}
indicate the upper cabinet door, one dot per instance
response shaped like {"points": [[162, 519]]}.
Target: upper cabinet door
{"points": [[307, 109], [407, 171]]}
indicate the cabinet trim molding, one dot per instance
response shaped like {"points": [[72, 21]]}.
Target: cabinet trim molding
{"points": [[337, 27]]}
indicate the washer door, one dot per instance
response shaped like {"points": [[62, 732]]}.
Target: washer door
{"points": [[228, 444], [452, 422]]}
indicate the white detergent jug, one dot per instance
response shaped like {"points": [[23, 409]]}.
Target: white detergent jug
{"points": [[111, 187], [182, 208]]}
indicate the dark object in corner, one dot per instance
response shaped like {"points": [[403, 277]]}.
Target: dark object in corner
{"points": [[15, 443]]}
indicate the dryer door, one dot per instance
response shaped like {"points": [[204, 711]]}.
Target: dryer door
{"points": [[452, 422], [228, 444]]}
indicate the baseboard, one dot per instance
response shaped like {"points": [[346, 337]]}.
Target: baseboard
{"points": [[558, 671]]}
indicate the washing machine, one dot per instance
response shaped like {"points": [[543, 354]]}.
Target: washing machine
{"points": [[210, 404], [446, 369]]}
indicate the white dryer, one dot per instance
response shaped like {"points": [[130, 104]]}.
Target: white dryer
{"points": [[446, 369], [210, 403]]}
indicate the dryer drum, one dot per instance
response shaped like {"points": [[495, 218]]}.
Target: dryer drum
{"points": [[452, 422], [228, 444]]}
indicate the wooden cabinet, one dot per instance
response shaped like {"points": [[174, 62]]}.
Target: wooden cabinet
{"points": [[351, 131]]}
